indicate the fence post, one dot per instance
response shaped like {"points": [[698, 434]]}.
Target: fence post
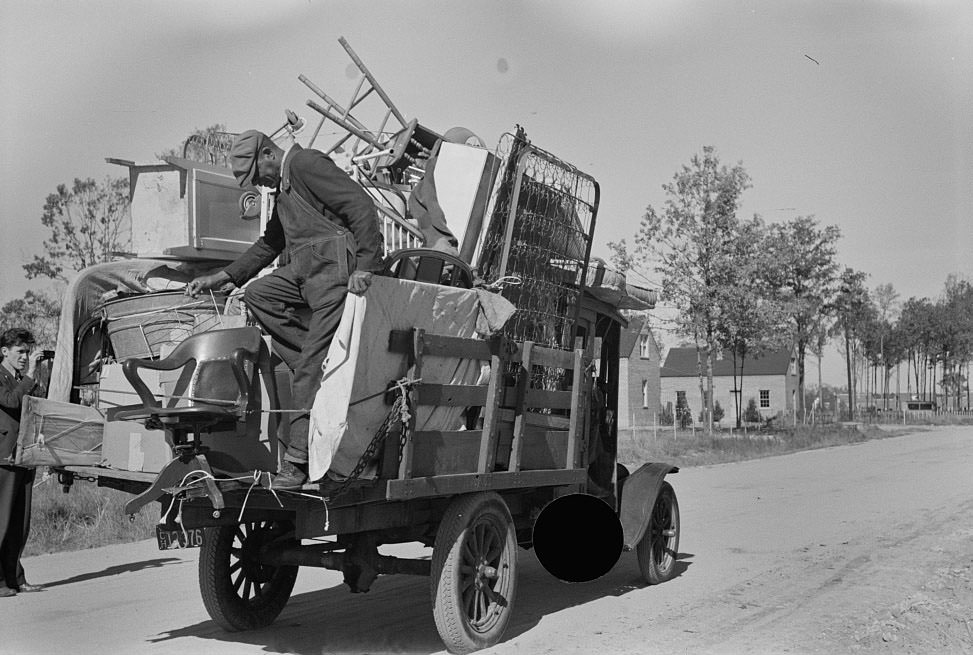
{"points": [[655, 427]]}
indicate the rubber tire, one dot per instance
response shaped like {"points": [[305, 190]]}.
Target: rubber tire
{"points": [[222, 549], [657, 552], [461, 525]]}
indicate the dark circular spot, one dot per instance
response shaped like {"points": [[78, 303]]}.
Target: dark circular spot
{"points": [[502, 65], [577, 538]]}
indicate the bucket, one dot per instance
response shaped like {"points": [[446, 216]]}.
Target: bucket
{"points": [[141, 326]]}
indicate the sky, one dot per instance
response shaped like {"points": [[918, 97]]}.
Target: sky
{"points": [[859, 113]]}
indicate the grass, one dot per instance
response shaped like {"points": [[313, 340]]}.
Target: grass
{"points": [[685, 449], [87, 517]]}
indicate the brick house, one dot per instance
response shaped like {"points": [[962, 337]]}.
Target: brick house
{"points": [[638, 373], [771, 380]]}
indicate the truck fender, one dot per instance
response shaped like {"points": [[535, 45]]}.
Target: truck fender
{"points": [[638, 493]]}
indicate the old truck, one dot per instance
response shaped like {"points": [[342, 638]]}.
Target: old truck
{"points": [[469, 414]]}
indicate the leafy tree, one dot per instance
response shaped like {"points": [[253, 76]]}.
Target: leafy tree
{"points": [[683, 414], [752, 414], [689, 240], [89, 223], [665, 416], [851, 307], [38, 312], [805, 276], [751, 320]]}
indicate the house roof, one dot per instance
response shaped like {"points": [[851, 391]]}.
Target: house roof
{"points": [[630, 335], [681, 362]]}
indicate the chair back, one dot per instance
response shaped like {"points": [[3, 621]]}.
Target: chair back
{"points": [[218, 368]]}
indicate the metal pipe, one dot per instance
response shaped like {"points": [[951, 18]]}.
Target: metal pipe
{"points": [[324, 557]]}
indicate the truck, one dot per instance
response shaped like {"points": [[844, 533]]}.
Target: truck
{"points": [[475, 418]]}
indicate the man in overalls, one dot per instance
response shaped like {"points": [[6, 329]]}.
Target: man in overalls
{"points": [[330, 230]]}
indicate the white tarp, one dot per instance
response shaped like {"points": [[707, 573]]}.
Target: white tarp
{"points": [[349, 406]]}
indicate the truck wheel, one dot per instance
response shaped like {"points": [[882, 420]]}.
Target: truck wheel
{"points": [[660, 544], [239, 592], [474, 572]]}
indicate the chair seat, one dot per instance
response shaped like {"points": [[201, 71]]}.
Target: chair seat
{"points": [[176, 416]]}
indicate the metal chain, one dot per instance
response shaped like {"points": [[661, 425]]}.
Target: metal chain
{"points": [[398, 413]]}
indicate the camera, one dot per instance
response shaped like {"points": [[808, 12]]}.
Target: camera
{"points": [[47, 354]]}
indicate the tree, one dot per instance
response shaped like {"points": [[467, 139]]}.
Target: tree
{"points": [[805, 275], [751, 320], [37, 312], [688, 240], [210, 145], [89, 223], [851, 306]]}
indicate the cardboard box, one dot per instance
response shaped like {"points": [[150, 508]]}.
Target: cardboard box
{"points": [[53, 433], [129, 446]]}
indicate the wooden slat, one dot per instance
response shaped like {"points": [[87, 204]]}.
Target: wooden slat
{"points": [[102, 472], [538, 398], [434, 345], [488, 439], [448, 485], [444, 452], [533, 418], [451, 395], [415, 373], [576, 430], [518, 434], [553, 358]]}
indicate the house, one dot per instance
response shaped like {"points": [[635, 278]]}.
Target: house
{"points": [[770, 379], [638, 373]]}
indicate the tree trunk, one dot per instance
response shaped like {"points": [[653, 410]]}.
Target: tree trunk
{"points": [[851, 386]]}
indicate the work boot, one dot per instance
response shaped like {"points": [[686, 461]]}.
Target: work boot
{"points": [[291, 476]]}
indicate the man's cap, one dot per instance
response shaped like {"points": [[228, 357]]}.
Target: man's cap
{"points": [[243, 155]]}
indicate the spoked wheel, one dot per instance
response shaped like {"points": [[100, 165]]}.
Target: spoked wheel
{"points": [[474, 572], [660, 544], [239, 592]]}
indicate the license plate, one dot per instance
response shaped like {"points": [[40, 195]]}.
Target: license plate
{"points": [[170, 539]]}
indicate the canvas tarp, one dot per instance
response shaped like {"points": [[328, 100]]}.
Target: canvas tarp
{"points": [[90, 288], [350, 406]]}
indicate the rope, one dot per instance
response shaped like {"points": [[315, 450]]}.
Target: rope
{"points": [[501, 282]]}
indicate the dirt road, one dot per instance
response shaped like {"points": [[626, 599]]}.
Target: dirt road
{"points": [[864, 548]]}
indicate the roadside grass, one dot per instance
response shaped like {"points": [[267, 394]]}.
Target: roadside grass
{"points": [[688, 449], [87, 517]]}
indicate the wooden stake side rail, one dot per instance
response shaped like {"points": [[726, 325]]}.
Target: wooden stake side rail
{"points": [[512, 437]]}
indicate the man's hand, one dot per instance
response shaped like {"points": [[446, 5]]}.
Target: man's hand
{"points": [[206, 282], [32, 360], [358, 282]]}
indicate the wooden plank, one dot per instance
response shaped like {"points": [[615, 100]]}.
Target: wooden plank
{"points": [[576, 429], [488, 438], [415, 373], [518, 432], [435, 345], [451, 395], [552, 421], [544, 449], [448, 485], [553, 358], [102, 472], [445, 452], [542, 398]]}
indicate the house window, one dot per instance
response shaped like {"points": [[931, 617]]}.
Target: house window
{"points": [[644, 345], [764, 398], [645, 394]]}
